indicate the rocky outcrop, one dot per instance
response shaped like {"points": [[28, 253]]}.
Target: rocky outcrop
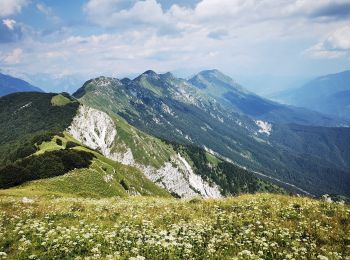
{"points": [[93, 128]]}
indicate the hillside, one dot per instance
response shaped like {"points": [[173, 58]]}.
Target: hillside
{"points": [[245, 227], [173, 109], [327, 94], [10, 85], [52, 141]]}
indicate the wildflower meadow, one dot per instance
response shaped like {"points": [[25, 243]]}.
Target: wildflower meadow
{"points": [[260, 226]]}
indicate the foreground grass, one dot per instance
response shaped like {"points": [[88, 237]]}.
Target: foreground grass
{"points": [[258, 226]]}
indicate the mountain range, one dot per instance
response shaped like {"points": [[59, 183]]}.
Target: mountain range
{"points": [[161, 135], [215, 84], [328, 94], [314, 158]]}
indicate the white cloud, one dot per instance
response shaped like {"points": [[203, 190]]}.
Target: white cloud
{"points": [[13, 57], [10, 7], [9, 23], [237, 36], [340, 39], [43, 9], [320, 51], [10, 31], [123, 15], [210, 15], [336, 45], [48, 12]]}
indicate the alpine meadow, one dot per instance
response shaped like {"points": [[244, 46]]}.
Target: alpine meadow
{"points": [[156, 129]]}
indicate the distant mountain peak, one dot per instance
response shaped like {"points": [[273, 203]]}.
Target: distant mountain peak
{"points": [[150, 73], [210, 72], [215, 78], [99, 83], [168, 75], [328, 94], [125, 80], [103, 81]]}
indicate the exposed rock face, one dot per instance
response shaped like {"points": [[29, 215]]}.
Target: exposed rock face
{"points": [[198, 183], [97, 130], [93, 128], [181, 179], [265, 127]]}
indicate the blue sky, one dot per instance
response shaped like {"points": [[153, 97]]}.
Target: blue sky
{"points": [[266, 45]]}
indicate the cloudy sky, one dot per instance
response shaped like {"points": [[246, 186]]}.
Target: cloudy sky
{"points": [[264, 44]]}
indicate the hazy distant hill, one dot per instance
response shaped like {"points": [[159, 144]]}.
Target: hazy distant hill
{"points": [[328, 94], [10, 85]]}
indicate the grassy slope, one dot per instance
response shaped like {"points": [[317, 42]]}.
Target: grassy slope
{"points": [[60, 100], [146, 149], [245, 227], [102, 179]]}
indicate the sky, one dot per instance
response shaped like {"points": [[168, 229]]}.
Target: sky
{"points": [[266, 45]]}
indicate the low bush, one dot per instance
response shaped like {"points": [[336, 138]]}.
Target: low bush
{"points": [[47, 165]]}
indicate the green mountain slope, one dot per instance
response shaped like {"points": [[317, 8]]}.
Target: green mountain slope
{"points": [[101, 178], [28, 118], [175, 110]]}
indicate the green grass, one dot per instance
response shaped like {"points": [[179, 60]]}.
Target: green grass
{"points": [[212, 159], [146, 149], [60, 100], [260, 226], [50, 145], [146, 84]]}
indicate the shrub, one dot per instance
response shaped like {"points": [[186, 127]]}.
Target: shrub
{"points": [[47, 165], [124, 184], [71, 144], [13, 175], [24, 151], [59, 142]]}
